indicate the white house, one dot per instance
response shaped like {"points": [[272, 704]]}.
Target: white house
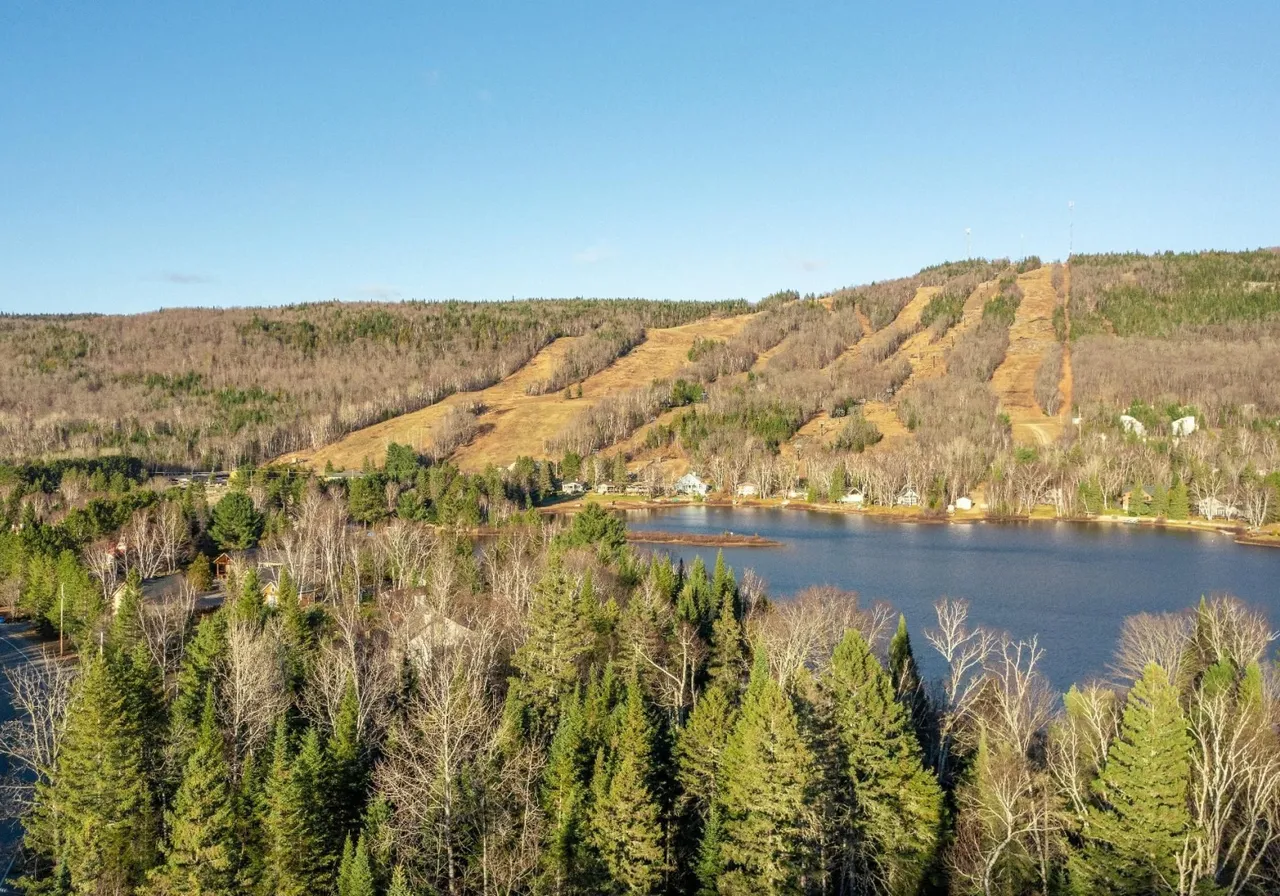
{"points": [[605, 488], [854, 497], [1213, 508], [691, 484], [574, 487], [1133, 425], [1184, 426], [909, 498], [748, 490], [964, 503]]}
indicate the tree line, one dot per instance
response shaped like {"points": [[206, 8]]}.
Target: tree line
{"points": [[556, 713]]}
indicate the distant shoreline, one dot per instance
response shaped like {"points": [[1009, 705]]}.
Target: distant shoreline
{"points": [[1237, 532], [723, 540]]}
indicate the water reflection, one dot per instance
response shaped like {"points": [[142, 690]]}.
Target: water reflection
{"points": [[1071, 584]]}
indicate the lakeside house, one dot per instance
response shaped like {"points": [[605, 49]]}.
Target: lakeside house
{"points": [[574, 487], [605, 488], [854, 497], [1136, 497], [964, 502], [748, 490], [909, 497], [693, 485], [1215, 508]]}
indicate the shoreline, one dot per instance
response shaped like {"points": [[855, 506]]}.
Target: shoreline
{"points": [[723, 540], [1239, 534]]}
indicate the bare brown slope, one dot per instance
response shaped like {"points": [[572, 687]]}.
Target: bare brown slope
{"points": [[1015, 379], [524, 426], [514, 423]]}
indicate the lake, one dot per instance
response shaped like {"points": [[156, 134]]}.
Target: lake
{"points": [[1070, 583]]}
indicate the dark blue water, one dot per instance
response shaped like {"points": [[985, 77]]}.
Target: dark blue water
{"points": [[1072, 584]]}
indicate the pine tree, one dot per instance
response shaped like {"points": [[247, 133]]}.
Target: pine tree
{"points": [[126, 621], [710, 861], [564, 795], [1179, 500], [768, 772], [200, 858], [700, 748], [237, 525], [551, 658], [896, 801], [399, 886], [1142, 820], [348, 769], [97, 799], [295, 856], [195, 675], [725, 665], [908, 684], [355, 874], [625, 820]]}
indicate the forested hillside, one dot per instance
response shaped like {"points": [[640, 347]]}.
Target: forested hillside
{"points": [[381, 709], [215, 388]]}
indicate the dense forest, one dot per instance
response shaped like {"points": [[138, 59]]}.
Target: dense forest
{"points": [[213, 388], [376, 705]]}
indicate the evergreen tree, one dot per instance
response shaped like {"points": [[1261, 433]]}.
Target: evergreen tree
{"points": [[700, 748], [295, 855], [195, 676], [725, 665], [908, 684], [399, 886], [564, 795], [768, 772], [1142, 820], [710, 862], [559, 640], [126, 621], [200, 857], [237, 525], [625, 823], [1179, 500], [896, 802], [355, 874], [348, 769], [97, 801]]}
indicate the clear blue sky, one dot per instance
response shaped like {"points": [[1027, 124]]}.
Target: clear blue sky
{"points": [[160, 154]]}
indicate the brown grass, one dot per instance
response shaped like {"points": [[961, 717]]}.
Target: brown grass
{"points": [[514, 423], [1015, 378]]}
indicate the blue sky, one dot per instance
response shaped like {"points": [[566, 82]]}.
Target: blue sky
{"points": [[160, 154]]}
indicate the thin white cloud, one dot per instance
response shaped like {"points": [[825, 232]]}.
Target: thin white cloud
{"points": [[185, 278], [379, 292], [594, 254]]}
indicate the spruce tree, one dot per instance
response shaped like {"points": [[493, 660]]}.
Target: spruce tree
{"points": [[295, 854], [200, 857], [237, 525], [399, 886], [1179, 500], [908, 683], [768, 773], [896, 802], [195, 675], [97, 799], [355, 874], [710, 862], [625, 821], [559, 640], [347, 769], [700, 748], [564, 796], [725, 666], [1142, 819]]}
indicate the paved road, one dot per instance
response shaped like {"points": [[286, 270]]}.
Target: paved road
{"points": [[16, 648]]}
